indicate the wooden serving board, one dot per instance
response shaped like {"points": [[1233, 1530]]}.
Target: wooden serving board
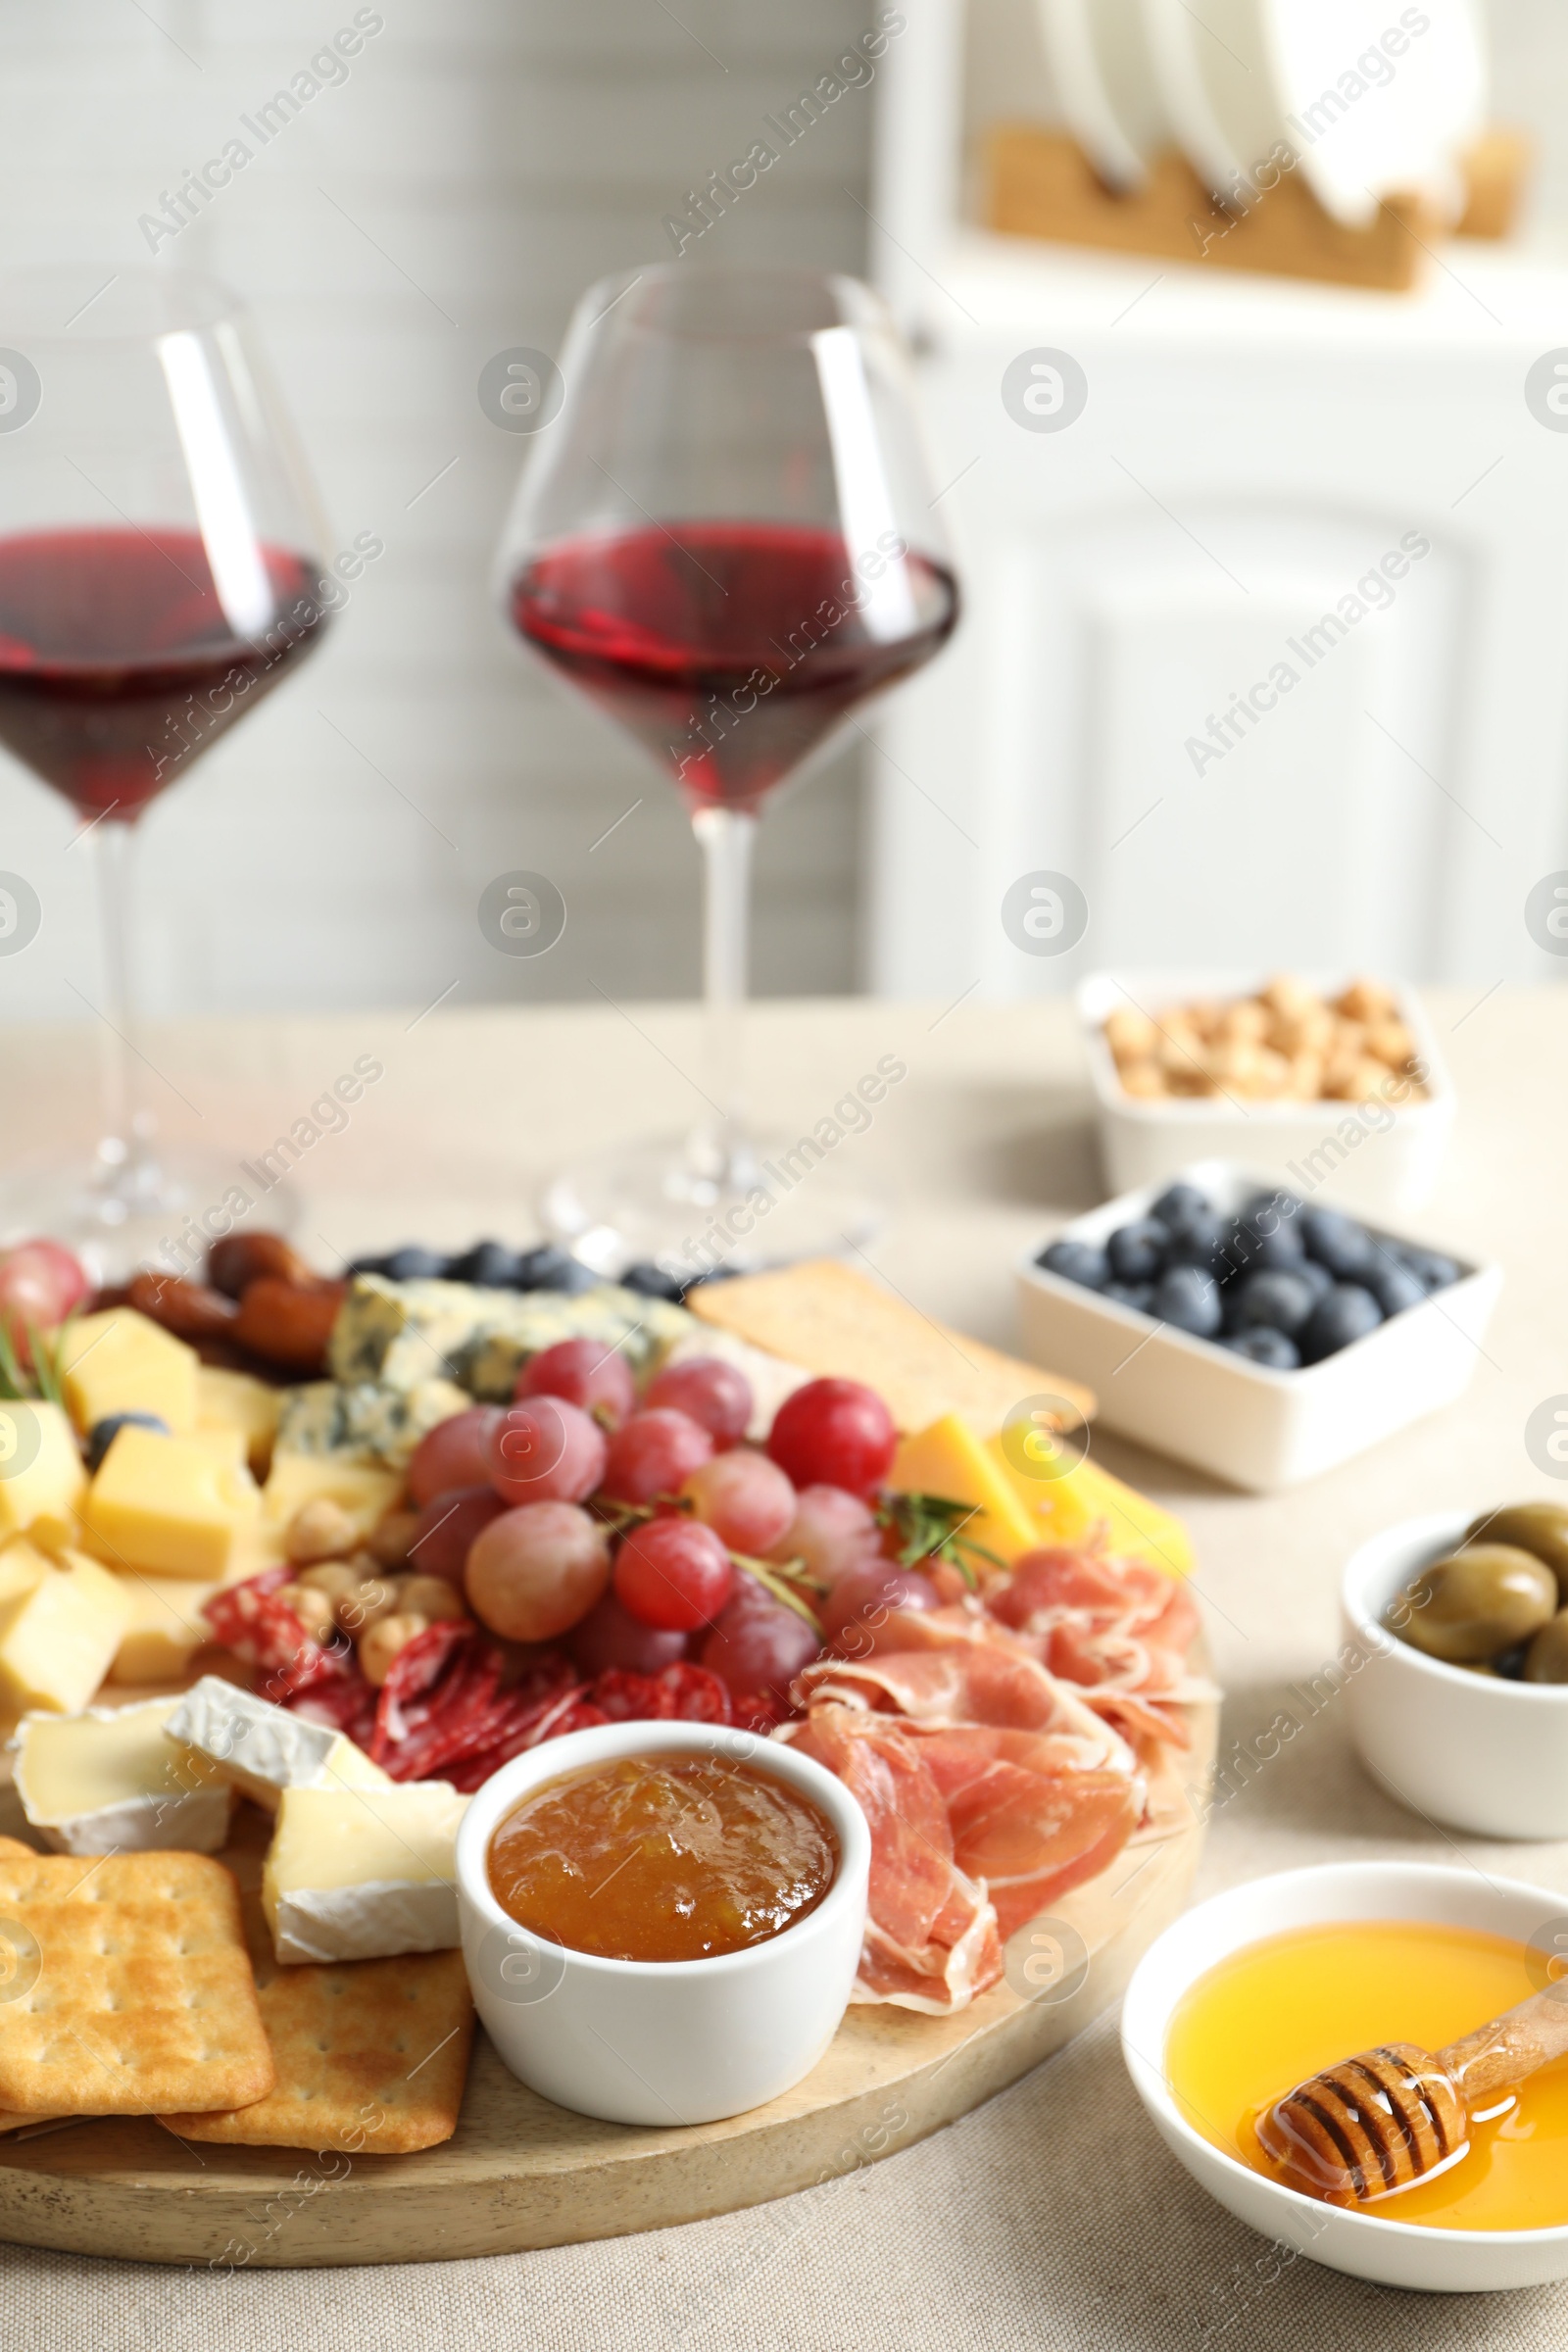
{"points": [[520, 2173]]}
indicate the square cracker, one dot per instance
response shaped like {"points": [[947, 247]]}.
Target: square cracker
{"points": [[371, 2055], [843, 1326], [133, 1990]]}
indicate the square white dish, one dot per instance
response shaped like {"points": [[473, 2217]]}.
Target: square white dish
{"points": [[1242, 1422], [1361, 1156]]}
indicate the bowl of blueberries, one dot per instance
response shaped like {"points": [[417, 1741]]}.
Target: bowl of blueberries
{"points": [[1261, 1336]]}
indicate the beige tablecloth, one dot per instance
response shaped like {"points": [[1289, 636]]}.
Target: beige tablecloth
{"points": [[1051, 2217]]}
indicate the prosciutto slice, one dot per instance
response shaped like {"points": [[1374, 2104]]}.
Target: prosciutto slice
{"points": [[998, 1746]]}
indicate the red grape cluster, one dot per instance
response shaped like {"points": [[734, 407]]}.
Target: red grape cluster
{"points": [[634, 1529]]}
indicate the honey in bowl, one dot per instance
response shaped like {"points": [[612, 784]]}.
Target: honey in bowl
{"points": [[662, 1857], [1282, 2009]]}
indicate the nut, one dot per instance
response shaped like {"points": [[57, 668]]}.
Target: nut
{"points": [[335, 1577], [311, 1606], [431, 1596], [366, 1604], [1367, 1000], [1143, 1079], [321, 1529], [385, 1641], [390, 1538]]}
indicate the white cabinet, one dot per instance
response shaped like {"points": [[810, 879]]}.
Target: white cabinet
{"points": [[1146, 693]]}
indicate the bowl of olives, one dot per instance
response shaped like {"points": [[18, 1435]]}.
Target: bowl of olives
{"points": [[1456, 1667]]}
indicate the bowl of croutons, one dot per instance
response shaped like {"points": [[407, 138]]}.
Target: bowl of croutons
{"points": [[1330, 1081]]}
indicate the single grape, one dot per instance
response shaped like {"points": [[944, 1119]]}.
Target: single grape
{"points": [[446, 1527], [835, 1433], [586, 1373], [744, 1498], [41, 1285], [674, 1574], [861, 1600], [712, 1393], [534, 1571], [757, 1644], [611, 1636], [654, 1453], [545, 1451], [454, 1453], [831, 1530]]}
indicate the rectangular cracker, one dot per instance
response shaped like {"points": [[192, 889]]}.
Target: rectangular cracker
{"points": [[843, 1326], [138, 1996], [371, 2055]]}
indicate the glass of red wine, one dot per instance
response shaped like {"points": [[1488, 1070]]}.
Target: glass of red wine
{"points": [[159, 574], [725, 539]]}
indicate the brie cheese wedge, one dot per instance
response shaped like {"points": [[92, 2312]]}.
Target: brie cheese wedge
{"points": [[108, 1780], [361, 1874], [264, 1750]]}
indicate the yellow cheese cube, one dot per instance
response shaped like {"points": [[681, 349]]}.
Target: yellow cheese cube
{"points": [[40, 1467], [225, 1444], [167, 1504], [164, 1629], [948, 1459], [57, 1639], [21, 1566], [365, 1494], [118, 1361], [235, 1400], [1064, 1509]]}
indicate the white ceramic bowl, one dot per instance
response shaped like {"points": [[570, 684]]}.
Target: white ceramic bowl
{"points": [[1483, 1755], [1372, 1158], [683, 2041], [1256, 1428], [1393, 2253]]}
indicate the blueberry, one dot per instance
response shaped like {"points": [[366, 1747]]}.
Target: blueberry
{"points": [[1394, 1287], [104, 1432], [414, 1263], [1130, 1294], [1197, 1239], [366, 1265], [1137, 1251], [652, 1281], [1275, 1208], [1429, 1267], [1188, 1298], [1272, 1301], [1083, 1262], [488, 1266], [1318, 1278], [1261, 1238], [1179, 1201], [1348, 1312], [549, 1268], [1261, 1346], [1339, 1242]]}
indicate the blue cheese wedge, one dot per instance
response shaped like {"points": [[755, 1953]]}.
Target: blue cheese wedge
{"points": [[110, 1780], [363, 1874], [398, 1335], [366, 1422], [264, 1750]]}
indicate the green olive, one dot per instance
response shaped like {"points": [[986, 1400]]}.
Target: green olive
{"points": [[1481, 1600], [1537, 1527], [1547, 1658]]}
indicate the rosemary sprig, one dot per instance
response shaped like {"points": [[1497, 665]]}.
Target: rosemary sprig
{"points": [[14, 1382], [775, 1579], [931, 1527], [46, 1363]]}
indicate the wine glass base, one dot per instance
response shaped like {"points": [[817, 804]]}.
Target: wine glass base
{"points": [[161, 1211], [653, 1203]]}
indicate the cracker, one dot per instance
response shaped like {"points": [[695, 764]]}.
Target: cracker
{"points": [[138, 1996], [371, 2055], [843, 1326]]}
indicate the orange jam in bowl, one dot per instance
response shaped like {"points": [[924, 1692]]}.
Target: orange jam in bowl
{"points": [[1289, 2005], [664, 1856]]}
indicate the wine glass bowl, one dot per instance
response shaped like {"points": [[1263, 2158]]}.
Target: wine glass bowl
{"points": [[726, 540], [159, 574]]}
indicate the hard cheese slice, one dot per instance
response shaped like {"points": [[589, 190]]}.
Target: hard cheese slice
{"points": [[40, 1469], [363, 1874], [228, 1399], [168, 1504], [109, 1781], [948, 1459], [264, 1750], [118, 1361], [164, 1629], [59, 1632], [1065, 1508]]}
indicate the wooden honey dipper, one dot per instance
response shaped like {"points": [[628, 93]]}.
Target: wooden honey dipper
{"points": [[1376, 2123]]}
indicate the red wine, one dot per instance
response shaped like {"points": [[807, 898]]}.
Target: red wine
{"points": [[118, 664], [730, 648]]}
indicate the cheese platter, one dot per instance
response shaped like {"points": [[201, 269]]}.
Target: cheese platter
{"points": [[305, 1613]]}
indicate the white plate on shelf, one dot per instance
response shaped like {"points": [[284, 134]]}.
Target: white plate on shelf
{"points": [[1100, 60], [1367, 106]]}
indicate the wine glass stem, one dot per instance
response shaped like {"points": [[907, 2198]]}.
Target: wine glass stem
{"points": [[127, 1127], [726, 836]]}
